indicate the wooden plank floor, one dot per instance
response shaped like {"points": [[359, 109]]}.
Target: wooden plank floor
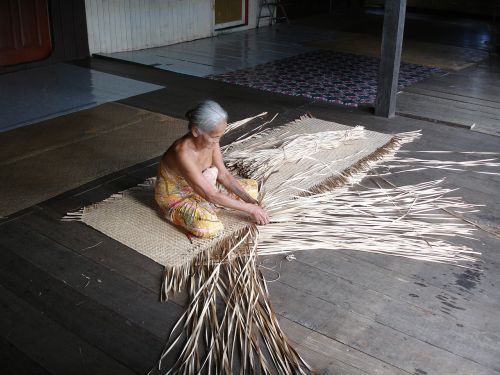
{"points": [[76, 301], [469, 98], [66, 89], [227, 52]]}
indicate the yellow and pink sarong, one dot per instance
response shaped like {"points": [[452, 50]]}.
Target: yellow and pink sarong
{"points": [[184, 207]]}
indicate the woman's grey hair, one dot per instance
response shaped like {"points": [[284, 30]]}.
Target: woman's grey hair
{"points": [[206, 115]]}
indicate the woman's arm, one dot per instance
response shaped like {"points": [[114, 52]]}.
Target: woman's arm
{"points": [[191, 172], [227, 179]]}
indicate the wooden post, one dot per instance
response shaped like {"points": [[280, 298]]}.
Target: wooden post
{"points": [[390, 57]]}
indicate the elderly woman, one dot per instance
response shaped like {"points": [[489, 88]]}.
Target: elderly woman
{"points": [[192, 177]]}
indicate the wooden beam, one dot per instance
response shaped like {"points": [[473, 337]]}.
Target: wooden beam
{"points": [[390, 57]]}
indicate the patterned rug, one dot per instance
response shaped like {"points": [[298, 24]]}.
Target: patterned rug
{"points": [[328, 76]]}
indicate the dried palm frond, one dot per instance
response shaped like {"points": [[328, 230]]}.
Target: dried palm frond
{"points": [[407, 221], [235, 125], [412, 164], [257, 132], [229, 319], [411, 221], [258, 161]]}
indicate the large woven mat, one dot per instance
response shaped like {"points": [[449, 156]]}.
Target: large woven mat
{"points": [[414, 52], [133, 218], [41, 161]]}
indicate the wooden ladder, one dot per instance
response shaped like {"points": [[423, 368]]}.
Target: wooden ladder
{"points": [[272, 11]]}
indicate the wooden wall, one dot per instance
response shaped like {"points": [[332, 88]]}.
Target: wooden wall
{"points": [[126, 25]]}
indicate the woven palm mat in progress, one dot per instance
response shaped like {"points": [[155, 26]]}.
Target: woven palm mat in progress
{"points": [[133, 218], [307, 168]]}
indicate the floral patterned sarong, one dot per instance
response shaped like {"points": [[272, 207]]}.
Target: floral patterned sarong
{"points": [[184, 207]]}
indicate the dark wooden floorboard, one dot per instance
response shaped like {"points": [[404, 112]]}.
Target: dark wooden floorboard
{"points": [[479, 286], [422, 285], [101, 249], [450, 111], [15, 362], [464, 97], [329, 356], [108, 331], [135, 303], [416, 318], [437, 28], [48, 344], [468, 98], [473, 82], [336, 320]]}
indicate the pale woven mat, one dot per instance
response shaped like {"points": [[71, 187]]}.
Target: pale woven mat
{"points": [[41, 161], [414, 52], [134, 219]]}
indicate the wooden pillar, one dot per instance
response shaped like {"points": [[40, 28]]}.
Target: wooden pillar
{"points": [[390, 57]]}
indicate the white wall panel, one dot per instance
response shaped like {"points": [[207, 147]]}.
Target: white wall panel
{"points": [[125, 25]]}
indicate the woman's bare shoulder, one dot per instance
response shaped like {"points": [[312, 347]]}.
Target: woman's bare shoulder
{"points": [[178, 153], [182, 148]]}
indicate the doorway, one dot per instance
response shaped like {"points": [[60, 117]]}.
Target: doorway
{"points": [[230, 13]]}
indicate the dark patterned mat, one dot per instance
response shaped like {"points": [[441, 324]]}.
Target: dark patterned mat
{"points": [[329, 76]]}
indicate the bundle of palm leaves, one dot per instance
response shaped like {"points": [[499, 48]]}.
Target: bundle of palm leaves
{"points": [[260, 160]]}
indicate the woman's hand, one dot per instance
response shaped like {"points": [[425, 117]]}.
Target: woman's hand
{"points": [[259, 214]]}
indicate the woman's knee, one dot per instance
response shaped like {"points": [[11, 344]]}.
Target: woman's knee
{"points": [[199, 221], [204, 229]]}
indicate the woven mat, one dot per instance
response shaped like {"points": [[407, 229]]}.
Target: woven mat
{"points": [[41, 161], [414, 52], [132, 217]]}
